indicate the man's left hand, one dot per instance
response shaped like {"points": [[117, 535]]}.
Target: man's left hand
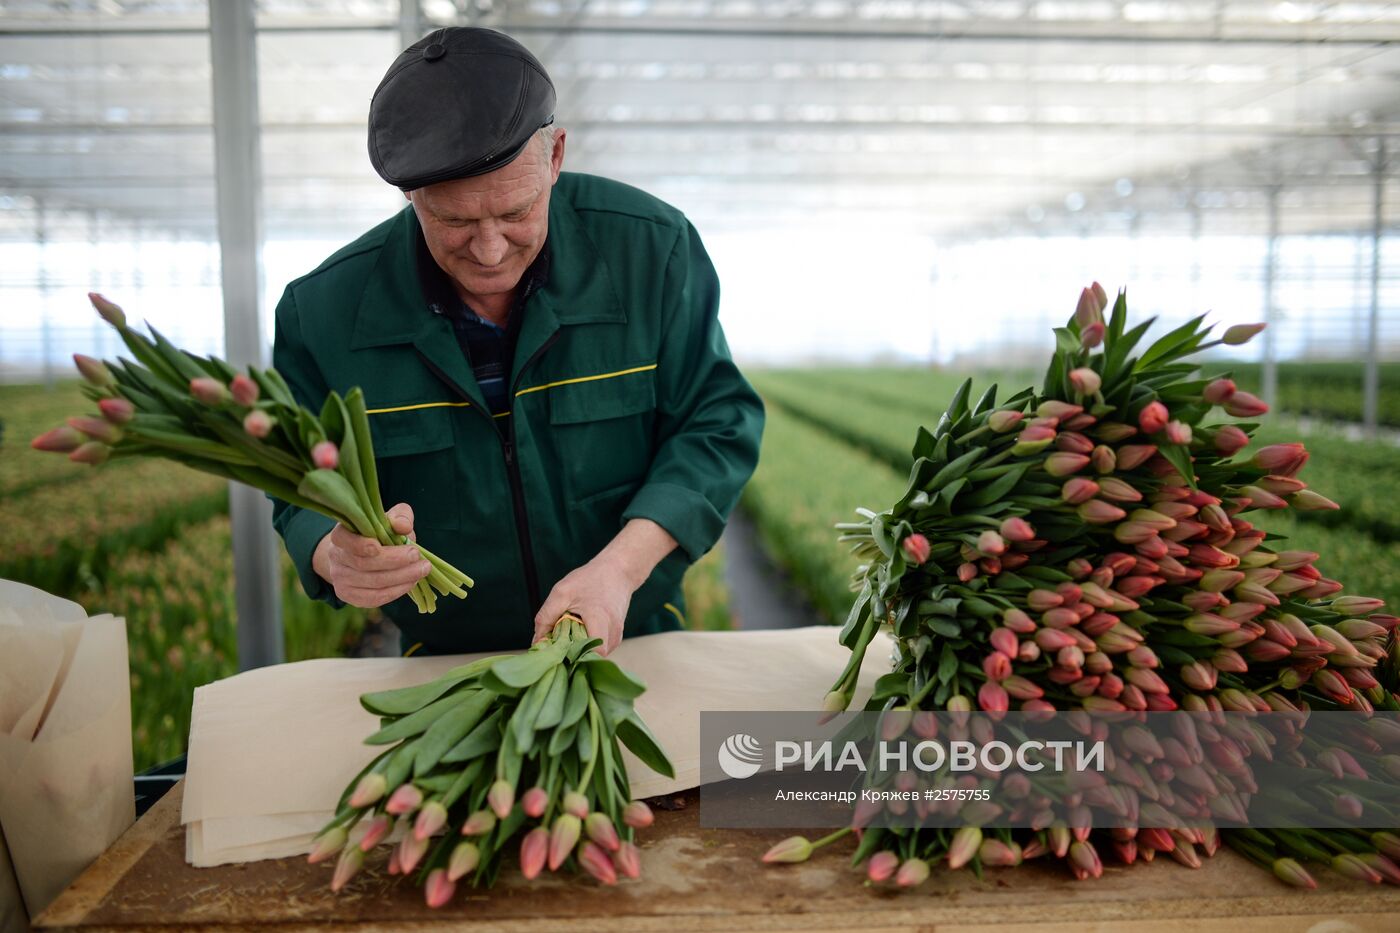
{"points": [[601, 590]]}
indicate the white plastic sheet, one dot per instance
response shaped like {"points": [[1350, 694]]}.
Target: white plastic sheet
{"points": [[272, 749], [66, 791]]}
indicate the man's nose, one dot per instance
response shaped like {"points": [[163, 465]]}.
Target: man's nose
{"points": [[488, 247]]}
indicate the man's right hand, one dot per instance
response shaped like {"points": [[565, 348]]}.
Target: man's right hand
{"points": [[366, 573]]}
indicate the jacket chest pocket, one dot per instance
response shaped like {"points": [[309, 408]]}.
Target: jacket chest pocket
{"points": [[414, 455], [603, 430]]}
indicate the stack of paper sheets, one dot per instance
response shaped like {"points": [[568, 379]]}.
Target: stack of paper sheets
{"points": [[66, 791], [272, 749]]}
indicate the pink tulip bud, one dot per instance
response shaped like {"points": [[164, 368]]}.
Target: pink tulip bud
{"points": [[393, 867], [966, 843], [916, 548], [431, 818], [93, 453], [1290, 872], [958, 704], [791, 849], [117, 410], [1280, 459], [411, 852], [1004, 421], [1084, 861], [465, 857], [405, 799], [1356, 605], [110, 312], [479, 823], [534, 801], [1054, 408], [1088, 311], [1309, 501], [1133, 456], [63, 439], [244, 390], [1245, 405], [628, 860], [637, 815], [1178, 432], [596, 862], [989, 543], [438, 889], [370, 788], [1349, 865], [562, 838], [1387, 843], [350, 863], [534, 849], [210, 391], [327, 844], [912, 873], [258, 423], [1017, 529], [377, 830], [1061, 463], [1230, 439], [1153, 417], [1004, 640], [576, 804], [1092, 335], [1079, 489], [996, 666], [601, 830], [325, 455], [992, 697], [93, 370], [1085, 381], [97, 428], [1219, 391], [500, 798], [882, 866], [1099, 512], [1241, 334]]}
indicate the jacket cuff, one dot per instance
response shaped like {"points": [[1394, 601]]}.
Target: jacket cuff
{"points": [[686, 514], [301, 534]]}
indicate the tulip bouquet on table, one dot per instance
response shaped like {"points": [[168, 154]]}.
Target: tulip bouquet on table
{"points": [[1088, 546], [511, 747], [199, 411]]}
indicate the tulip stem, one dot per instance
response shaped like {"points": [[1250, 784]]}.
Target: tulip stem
{"points": [[831, 838]]}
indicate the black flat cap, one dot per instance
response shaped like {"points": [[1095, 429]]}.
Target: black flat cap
{"points": [[461, 101]]}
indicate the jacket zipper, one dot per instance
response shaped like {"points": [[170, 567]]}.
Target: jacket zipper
{"points": [[517, 488]]}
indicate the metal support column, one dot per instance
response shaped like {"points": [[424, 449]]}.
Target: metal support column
{"points": [[41, 239], [1270, 380], [1371, 391], [238, 176], [410, 23]]}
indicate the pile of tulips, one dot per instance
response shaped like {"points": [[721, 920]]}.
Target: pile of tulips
{"points": [[515, 747], [199, 411], [1090, 547]]}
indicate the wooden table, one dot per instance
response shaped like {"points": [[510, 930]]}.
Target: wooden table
{"points": [[698, 880]]}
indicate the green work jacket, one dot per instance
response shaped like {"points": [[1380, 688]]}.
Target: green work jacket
{"points": [[625, 404]]}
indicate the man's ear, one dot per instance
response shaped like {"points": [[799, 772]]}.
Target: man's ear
{"points": [[408, 196], [556, 158]]}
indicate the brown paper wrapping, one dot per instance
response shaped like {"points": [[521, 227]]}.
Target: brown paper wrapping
{"points": [[66, 790], [272, 749]]}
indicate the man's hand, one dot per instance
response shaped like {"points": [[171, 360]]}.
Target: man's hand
{"points": [[601, 590], [366, 573]]}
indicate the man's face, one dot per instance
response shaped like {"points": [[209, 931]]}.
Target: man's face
{"points": [[484, 231]]}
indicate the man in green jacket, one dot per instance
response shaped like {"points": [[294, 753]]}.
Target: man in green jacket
{"points": [[553, 403]]}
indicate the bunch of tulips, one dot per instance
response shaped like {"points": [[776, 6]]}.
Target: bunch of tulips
{"points": [[199, 411], [515, 747], [1089, 547]]}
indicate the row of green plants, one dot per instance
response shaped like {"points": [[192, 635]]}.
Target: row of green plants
{"points": [[28, 411], [806, 482], [1355, 474], [178, 604]]}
